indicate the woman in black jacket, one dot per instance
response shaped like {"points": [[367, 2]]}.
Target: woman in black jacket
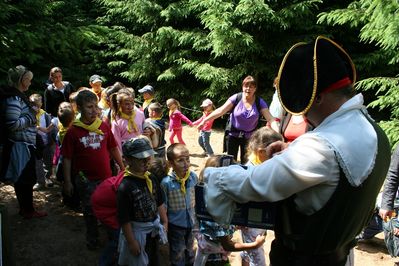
{"points": [[57, 91]]}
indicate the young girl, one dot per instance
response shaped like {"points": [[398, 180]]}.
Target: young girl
{"points": [[214, 240], [127, 119], [175, 118], [205, 130], [256, 153]]}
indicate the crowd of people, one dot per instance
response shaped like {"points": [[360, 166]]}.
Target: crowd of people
{"points": [[115, 166]]}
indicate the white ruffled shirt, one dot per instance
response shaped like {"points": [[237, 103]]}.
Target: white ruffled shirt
{"points": [[309, 167]]}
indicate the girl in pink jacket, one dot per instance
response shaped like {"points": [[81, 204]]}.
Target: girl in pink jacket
{"points": [[175, 118]]}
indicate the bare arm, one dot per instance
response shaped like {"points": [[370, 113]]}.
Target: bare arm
{"points": [[164, 216], [274, 124], [226, 107], [229, 245], [115, 154], [134, 246], [68, 188], [46, 129]]}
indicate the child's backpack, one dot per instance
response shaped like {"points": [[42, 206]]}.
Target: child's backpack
{"points": [[103, 200], [229, 127]]}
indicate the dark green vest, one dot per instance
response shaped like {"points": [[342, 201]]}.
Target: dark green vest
{"points": [[342, 218]]}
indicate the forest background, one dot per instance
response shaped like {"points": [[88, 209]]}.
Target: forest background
{"points": [[196, 49]]}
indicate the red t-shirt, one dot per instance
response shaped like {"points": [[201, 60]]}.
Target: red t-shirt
{"points": [[89, 151]]}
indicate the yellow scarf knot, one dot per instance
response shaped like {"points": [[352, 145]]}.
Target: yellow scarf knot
{"points": [[146, 176], [61, 132], [131, 125], [38, 115], [183, 180], [254, 159], [147, 103], [93, 127]]}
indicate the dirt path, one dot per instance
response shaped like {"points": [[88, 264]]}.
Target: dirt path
{"points": [[59, 238]]}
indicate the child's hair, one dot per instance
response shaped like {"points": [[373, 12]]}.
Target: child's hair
{"points": [[36, 99], [159, 168], [53, 71], [65, 114], [173, 101], [172, 150], [85, 96], [72, 97], [213, 161], [262, 138], [156, 107], [117, 98]]}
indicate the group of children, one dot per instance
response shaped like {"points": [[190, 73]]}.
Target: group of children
{"points": [[111, 161]]}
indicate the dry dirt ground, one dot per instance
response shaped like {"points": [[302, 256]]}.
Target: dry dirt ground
{"points": [[59, 238]]}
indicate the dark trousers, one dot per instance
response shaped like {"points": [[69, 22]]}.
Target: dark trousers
{"points": [[24, 186], [282, 256], [233, 143]]}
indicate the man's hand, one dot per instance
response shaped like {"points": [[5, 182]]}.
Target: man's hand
{"points": [[385, 214], [275, 148]]}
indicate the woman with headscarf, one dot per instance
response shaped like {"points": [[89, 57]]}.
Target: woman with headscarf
{"points": [[19, 137]]}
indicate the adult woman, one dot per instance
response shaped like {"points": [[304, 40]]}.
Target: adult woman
{"points": [[244, 117], [19, 119], [56, 92]]}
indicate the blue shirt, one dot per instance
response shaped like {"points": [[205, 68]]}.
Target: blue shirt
{"points": [[180, 206]]}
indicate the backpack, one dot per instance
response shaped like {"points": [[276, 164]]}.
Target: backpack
{"points": [[229, 127]]}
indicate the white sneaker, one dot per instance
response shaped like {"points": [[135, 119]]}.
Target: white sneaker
{"points": [[48, 182], [38, 186]]}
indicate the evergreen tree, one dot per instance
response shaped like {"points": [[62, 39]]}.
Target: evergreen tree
{"points": [[378, 24], [203, 48]]}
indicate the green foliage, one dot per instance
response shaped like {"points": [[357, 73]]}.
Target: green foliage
{"points": [[379, 25], [194, 49]]}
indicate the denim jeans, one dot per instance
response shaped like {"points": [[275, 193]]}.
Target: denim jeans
{"points": [[181, 245], [109, 255], [203, 141]]}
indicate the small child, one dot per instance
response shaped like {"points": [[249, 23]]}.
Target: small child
{"points": [[127, 119], [46, 132], [86, 150], [140, 207], [214, 240], [179, 190], [175, 118], [155, 119], [205, 130], [148, 96], [256, 153], [66, 115]]}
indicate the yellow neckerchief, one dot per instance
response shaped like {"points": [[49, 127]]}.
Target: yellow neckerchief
{"points": [[131, 125], [93, 127], [147, 102], [146, 176], [156, 118], [38, 115], [183, 180], [61, 132], [254, 159]]}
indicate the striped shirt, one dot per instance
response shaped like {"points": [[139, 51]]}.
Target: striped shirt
{"points": [[20, 121]]}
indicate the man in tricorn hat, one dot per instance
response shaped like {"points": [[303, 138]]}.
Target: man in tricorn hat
{"points": [[327, 179]]}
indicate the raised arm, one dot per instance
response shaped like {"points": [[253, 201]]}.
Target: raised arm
{"points": [[226, 107]]}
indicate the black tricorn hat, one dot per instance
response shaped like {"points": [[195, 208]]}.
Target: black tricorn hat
{"points": [[309, 69]]}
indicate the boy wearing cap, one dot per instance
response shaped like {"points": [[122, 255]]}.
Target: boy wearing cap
{"points": [[96, 82], [148, 95], [327, 180], [140, 207], [206, 128]]}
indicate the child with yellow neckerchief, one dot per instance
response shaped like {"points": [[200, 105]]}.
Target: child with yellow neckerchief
{"points": [[86, 149], [127, 119], [179, 190], [46, 137], [140, 207], [256, 153]]}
